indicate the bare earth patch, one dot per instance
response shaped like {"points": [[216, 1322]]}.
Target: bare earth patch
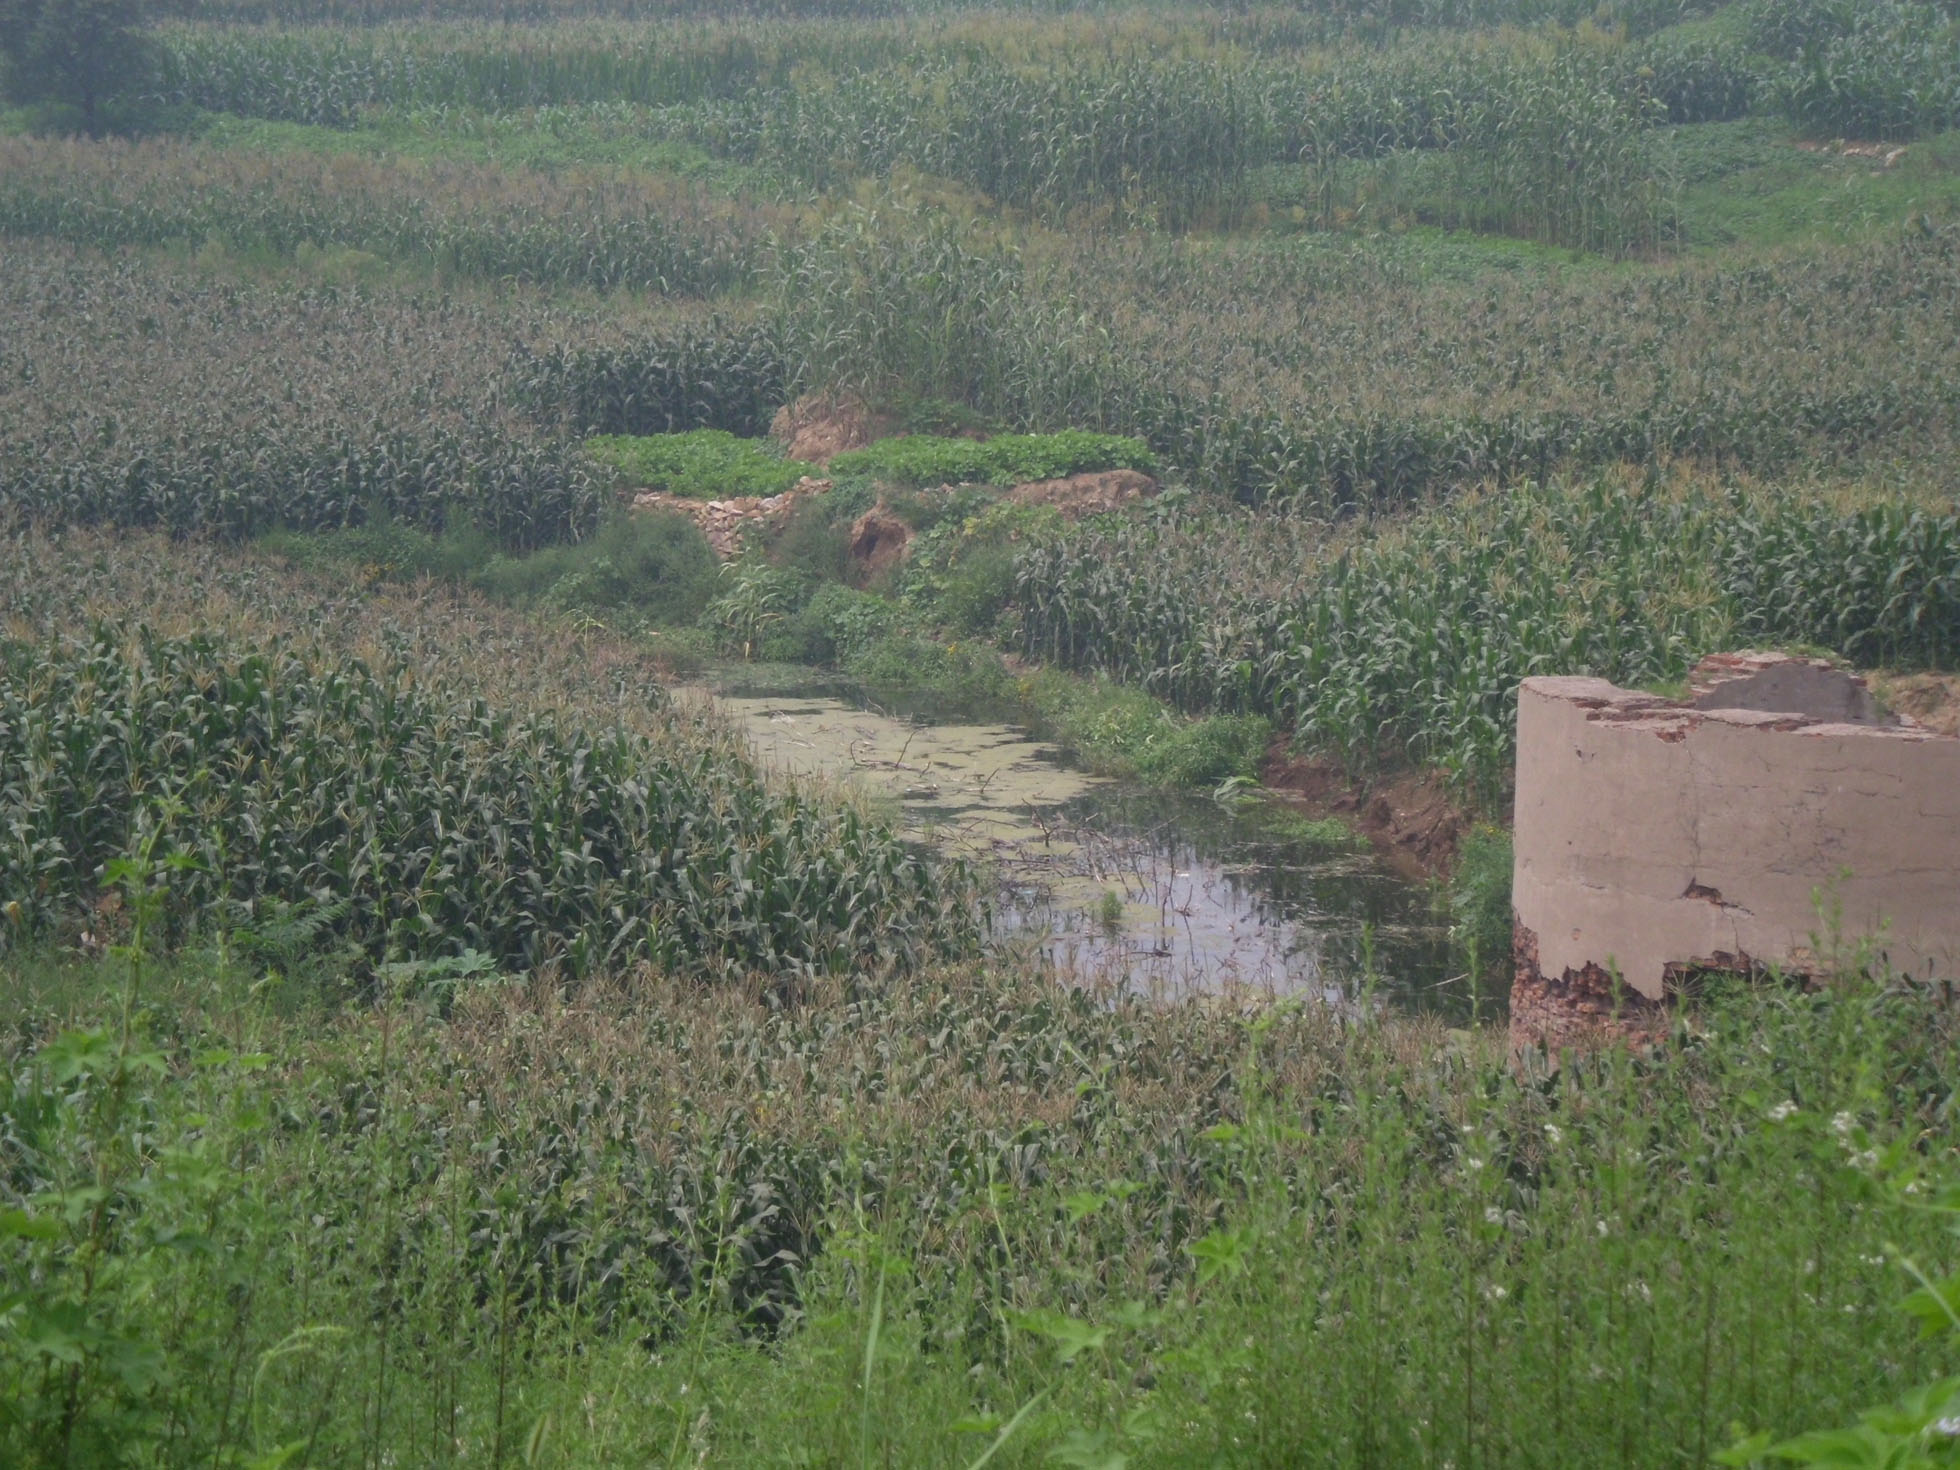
{"points": [[1410, 817], [1931, 699], [879, 542], [724, 522], [819, 425], [1883, 154], [1088, 494]]}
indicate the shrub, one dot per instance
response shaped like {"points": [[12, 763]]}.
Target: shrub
{"points": [[960, 575], [839, 624], [656, 568], [755, 601]]}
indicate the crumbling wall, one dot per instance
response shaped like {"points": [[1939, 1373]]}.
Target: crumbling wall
{"points": [[1655, 838]]}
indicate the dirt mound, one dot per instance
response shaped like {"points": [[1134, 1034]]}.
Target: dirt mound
{"points": [[1087, 494], [1933, 700], [879, 542], [724, 522], [1410, 817], [819, 425]]}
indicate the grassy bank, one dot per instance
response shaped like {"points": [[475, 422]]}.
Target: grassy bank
{"points": [[496, 1220]]}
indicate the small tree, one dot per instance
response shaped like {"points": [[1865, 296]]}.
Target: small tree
{"points": [[79, 53]]}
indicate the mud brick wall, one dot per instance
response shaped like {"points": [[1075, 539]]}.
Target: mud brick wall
{"points": [[1656, 837]]}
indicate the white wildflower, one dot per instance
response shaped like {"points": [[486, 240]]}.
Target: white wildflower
{"points": [[1947, 1428], [1865, 1159], [1552, 1133], [1493, 1215], [1495, 1292], [1473, 1164], [1841, 1124], [1782, 1112], [1602, 1227]]}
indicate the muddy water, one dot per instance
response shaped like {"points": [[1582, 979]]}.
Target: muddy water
{"points": [[1167, 893]]}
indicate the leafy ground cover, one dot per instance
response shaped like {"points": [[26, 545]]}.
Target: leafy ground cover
{"points": [[1004, 459], [707, 464]]}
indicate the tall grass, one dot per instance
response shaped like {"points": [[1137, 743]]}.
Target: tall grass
{"points": [[661, 1225]]}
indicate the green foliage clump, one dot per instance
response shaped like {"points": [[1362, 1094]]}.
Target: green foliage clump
{"points": [[959, 574], [707, 464], [638, 570], [838, 625], [81, 54], [1008, 459], [952, 674], [647, 569], [1125, 732], [1480, 906], [754, 603]]}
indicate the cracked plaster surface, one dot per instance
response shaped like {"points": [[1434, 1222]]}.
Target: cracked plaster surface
{"points": [[1633, 809]]}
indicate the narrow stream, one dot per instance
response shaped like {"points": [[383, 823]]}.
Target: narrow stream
{"points": [[1168, 893]]}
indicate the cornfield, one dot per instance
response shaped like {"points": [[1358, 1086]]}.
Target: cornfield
{"points": [[457, 221], [388, 804], [1412, 643]]}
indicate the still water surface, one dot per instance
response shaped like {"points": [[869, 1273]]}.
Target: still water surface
{"points": [[1165, 892]]}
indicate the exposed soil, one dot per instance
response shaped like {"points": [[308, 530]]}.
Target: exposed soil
{"points": [[819, 425], [1585, 1008], [1931, 699], [1883, 154], [1089, 494], [1410, 817], [724, 522], [879, 542]]}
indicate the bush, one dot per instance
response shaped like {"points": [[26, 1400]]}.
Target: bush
{"points": [[960, 575], [1010, 459], [815, 540], [953, 673], [654, 568], [1480, 904], [707, 464], [838, 624], [755, 602], [1125, 732]]}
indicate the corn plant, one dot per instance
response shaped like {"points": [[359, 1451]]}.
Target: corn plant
{"points": [[1411, 644]]}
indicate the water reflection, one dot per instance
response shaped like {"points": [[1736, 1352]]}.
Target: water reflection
{"points": [[1166, 893]]}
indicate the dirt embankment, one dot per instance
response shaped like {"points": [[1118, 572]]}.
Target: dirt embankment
{"points": [[818, 426], [1410, 816], [1931, 699]]}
